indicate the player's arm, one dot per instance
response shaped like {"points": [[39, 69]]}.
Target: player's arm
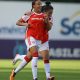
{"points": [[21, 22], [24, 19], [48, 23]]}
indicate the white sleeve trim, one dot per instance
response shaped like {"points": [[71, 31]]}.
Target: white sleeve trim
{"points": [[25, 17]]}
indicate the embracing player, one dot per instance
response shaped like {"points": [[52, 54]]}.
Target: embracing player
{"points": [[37, 37]]}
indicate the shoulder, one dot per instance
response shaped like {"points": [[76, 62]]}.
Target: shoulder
{"points": [[28, 13]]}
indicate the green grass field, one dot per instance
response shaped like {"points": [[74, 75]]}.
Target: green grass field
{"points": [[62, 69]]}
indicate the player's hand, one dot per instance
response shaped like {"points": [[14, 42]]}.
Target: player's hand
{"points": [[46, 19]]}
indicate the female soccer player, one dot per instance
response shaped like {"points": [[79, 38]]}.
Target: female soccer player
{"points": [[40, 39]]}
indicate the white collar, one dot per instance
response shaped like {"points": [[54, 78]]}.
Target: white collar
{"points": [[37, 13]]}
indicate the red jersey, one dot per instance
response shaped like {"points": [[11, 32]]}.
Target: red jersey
{"points": [[37, 26]]}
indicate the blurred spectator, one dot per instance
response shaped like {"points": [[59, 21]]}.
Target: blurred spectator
{"points": [[20, 48]]}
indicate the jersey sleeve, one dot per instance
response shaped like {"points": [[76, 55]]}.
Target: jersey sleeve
{"points": [[25, 18]]}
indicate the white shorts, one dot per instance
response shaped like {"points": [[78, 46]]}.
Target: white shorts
{"points": [[30, 42]]}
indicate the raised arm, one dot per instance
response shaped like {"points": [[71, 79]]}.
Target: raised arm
{"points": [[21, 22], [48, 22]]}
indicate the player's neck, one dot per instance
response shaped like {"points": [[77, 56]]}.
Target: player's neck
{"points": [[38, 12]]}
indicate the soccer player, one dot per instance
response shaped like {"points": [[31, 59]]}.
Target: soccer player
{"points": [[41, 40]]}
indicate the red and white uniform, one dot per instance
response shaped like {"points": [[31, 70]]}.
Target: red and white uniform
{"points": [[36, 34], [37, 26]]}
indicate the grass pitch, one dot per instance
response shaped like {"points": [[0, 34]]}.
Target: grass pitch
{"points": [[61, 69]]}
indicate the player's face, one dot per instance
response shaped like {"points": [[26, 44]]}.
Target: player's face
{"points": [[49, 13], [37, 6]]}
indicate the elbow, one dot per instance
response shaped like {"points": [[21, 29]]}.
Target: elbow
{"points": [[49, 28], [17, 23]]}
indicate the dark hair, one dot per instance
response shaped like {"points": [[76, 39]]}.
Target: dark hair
{"points": [[47, 6], [48, 3], [33, 3]]}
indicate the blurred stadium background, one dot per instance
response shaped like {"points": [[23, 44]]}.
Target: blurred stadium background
{"points": [[64, 39]]}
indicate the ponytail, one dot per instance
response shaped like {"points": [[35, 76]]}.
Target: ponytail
{"points": [[48, 3], [46, 7]]}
